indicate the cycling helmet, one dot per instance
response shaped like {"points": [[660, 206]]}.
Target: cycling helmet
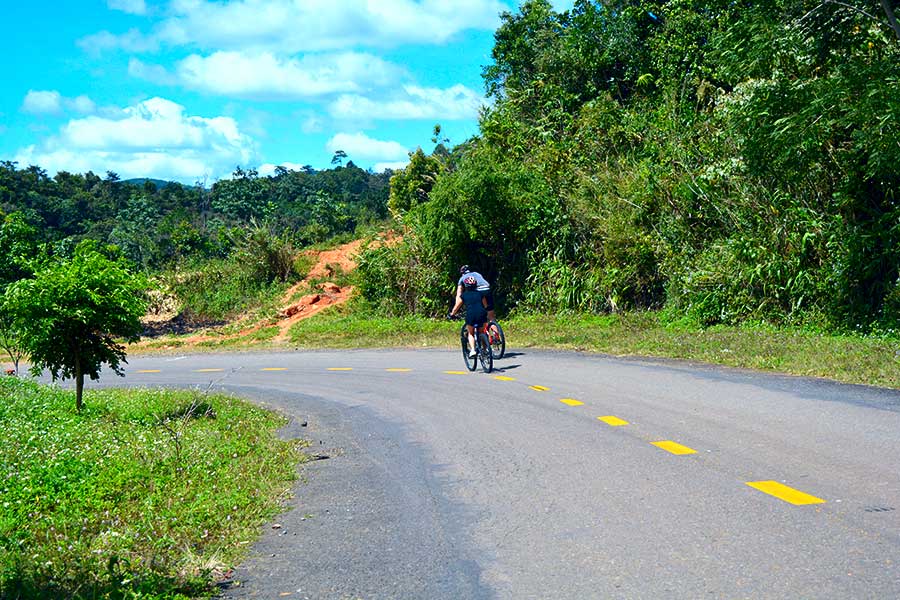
{"points": [[464, 269], [470, 282]]}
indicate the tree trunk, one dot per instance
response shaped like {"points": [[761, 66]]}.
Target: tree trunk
{"points": [[892, 18], [79, 383]]}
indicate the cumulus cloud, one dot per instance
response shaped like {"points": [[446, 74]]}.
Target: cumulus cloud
{"points": [[312, 123], [131, 41], [82, 104], [292, 26], [361, 148], [154, 138], [415, 102], [134, 7], [267, 76], [152, 73], [39, 102]]}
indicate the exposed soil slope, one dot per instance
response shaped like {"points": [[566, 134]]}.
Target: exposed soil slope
{"points": [[296, 304]]}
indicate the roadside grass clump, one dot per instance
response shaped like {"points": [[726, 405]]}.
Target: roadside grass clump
{"points": [[257, 337], [869, 360], [350, 325], [145, 494]]}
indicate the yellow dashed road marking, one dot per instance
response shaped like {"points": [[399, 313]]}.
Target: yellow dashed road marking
{"points": [[674, 447], [340, 368], [783, 492], [149, 371], [539, 388], [456, 372], [571, 401], [613, 421], [275, 369], [504, 378], [208, 370], [398, 370]]}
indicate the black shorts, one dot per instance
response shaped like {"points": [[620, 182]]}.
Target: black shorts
{"points": [[487, 295], [476, 317]]}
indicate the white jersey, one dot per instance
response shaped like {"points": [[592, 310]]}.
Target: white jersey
{"points": [[483, 285]]}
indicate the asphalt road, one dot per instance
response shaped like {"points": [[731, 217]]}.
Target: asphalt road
{"points": [[564, 475]]}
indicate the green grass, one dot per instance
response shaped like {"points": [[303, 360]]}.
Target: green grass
{"points": [[144, 494], [339, 327], [249, 340], [852, 359]]}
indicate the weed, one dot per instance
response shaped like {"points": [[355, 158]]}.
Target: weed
{"points": [[93, 508]]}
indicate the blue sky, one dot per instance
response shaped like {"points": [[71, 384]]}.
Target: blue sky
{"points": [[189, 89]]}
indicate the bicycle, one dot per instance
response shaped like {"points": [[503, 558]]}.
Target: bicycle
{"points": [[496, 338], [483, 352]]}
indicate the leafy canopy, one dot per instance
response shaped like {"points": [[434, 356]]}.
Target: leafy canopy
{"points": [[74, 311]]}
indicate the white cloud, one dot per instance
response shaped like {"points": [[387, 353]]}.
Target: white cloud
{"points": [[39, 102], [132, 41], [312, 124], [291, 26], [152, 73], [135, 7], [154, 138], [360, 148], [456, 102], [267, 76], [82, 104], [42, 102]]}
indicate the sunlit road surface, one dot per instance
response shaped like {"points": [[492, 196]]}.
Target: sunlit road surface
{"points": [[563, 475]]}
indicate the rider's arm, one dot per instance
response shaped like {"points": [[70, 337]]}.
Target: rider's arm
{"points": [[457, 305]]}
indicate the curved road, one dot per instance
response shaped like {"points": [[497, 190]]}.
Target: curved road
{"points": [[566, 476]]}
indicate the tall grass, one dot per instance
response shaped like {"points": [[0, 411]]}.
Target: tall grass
{"points": [[145, 494]]}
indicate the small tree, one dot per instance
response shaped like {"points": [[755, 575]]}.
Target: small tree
{"points": [[11, 340], [71, 314]]}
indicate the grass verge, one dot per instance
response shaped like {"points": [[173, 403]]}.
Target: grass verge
{"points": [[143, 495], [851, 359]]}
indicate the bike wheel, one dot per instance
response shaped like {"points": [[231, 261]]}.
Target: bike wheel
{"points": [[485, 354], [498, 339], [471, 362]]}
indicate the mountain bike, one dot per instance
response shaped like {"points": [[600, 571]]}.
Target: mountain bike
{"points": [[483, 351], [496, 338]]}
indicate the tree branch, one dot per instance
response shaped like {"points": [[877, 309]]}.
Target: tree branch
{"points": [[892, 18]]}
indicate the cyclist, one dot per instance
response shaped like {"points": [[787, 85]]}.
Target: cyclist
{"points": [[482, 286], [476, 314]]}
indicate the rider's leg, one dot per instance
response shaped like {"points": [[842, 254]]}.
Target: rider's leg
{"points": [[487, 298], [471, 331]]}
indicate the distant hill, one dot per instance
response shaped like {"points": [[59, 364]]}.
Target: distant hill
{"points": [[159, 183]]}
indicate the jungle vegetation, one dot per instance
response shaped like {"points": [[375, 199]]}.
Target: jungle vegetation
{"points": [[721, 161]]}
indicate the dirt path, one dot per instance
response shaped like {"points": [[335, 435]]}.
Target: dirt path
{"points": [[296, 307]]}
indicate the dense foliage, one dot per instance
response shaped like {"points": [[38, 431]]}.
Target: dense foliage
{"points": [[215, 252], [728, 161], [157, 224]]}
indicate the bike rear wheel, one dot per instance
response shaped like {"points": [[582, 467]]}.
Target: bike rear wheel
{"points": [[498, 339], [471, 362], [485, 354]]}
